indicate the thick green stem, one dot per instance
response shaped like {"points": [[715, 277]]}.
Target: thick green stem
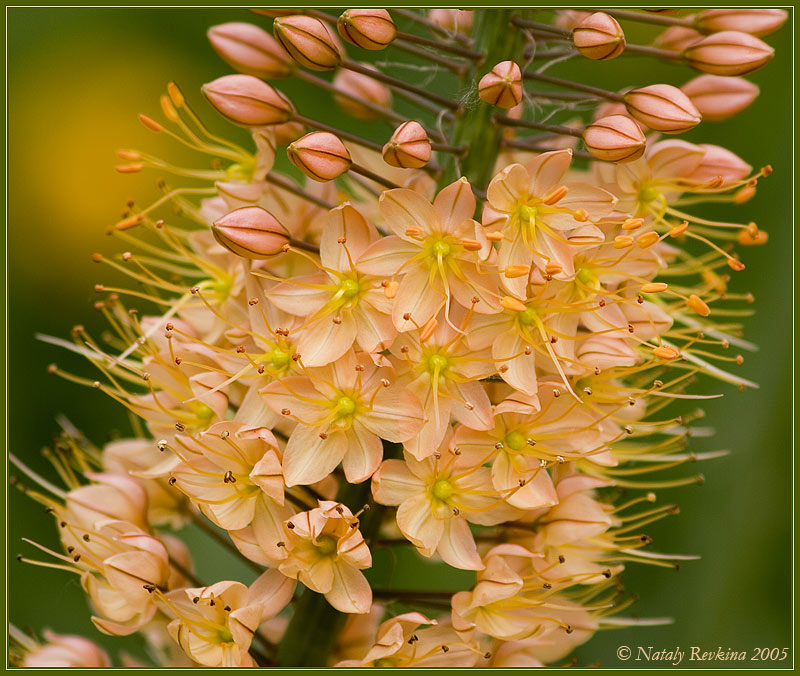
{"points": [[315, 625], [496, 38]]}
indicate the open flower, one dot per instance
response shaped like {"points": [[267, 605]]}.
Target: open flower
{"points": [[533, 433], [232, 472], [215, 624], [400, 642], [437, 248], [438, 498], [340, 304], [535, 210], [441, 370], [326, 552], [342, 411]]}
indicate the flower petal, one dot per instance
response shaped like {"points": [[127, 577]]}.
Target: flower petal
{"points": [[457, 546], [308, 458]]}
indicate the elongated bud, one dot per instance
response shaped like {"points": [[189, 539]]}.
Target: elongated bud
{"points": [[718, 97], [320, 155], [409, 147], [721, 163], [615, 138], [599, 37], [759, 21], [308, 41], [250, 50], [367, 28], [663, 108], [364, 87], [460, 20], [728, 53], [248, 101], [251, 232], [502, 86], [677, 38]]}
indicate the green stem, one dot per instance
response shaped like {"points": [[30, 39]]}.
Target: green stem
{"points": [[315, 625], [475, 130]]}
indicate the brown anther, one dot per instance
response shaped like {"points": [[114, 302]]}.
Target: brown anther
{"points": [[290, 525], [323, 436]]}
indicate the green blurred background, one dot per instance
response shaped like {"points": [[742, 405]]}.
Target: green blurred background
{"points": [[76, 80]]}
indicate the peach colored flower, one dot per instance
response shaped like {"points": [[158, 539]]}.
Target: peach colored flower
{"points": [[232, 472], [342, 411], [340, 305], [535, 209], [326, 552], [443, 373], [438, 498], [437, 248], [65, 650], [400, 642]]}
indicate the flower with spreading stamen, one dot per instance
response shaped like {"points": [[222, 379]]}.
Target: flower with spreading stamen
{"points": [[342, 412], [438, 249], [326, 552], [535, 210], [438, 497], [437, 365], [340, 304]]}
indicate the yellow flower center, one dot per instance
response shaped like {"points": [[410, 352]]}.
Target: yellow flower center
{"points": [[527, 317], [515, 441], [280, 359], [648, 193], [437, 362], [327, 545], [345, 406], [383, 663], [349, 288], [442, 490], [441, 249]]}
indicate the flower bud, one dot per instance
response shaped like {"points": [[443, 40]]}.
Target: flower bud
{"points": [[718, 97], [722, 163], [250, 50], [308, 41], [409, 147], [364, 87], [663, 108], [502, 86], [599, 37], [251, 232], [460, 20], [320, 155], [759, 21], [616, 138], [367, 28], [728, 53], [677, 38], [248, 101]]}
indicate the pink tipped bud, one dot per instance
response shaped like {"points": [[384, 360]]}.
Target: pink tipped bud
{"points": [[599, 37], [616, 138], [502, 86], [718, 97], [250, 50], [460, 20], [677, 38], [663, 108], [248, 101], [367, 28], [363, 87], [759, 22], [728, 53], [721, 163], [320, 155], [409, 147], [251, 232], [308, 41]]}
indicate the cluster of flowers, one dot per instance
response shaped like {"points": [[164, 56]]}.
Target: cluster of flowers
{"points": [[402, 359]]}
